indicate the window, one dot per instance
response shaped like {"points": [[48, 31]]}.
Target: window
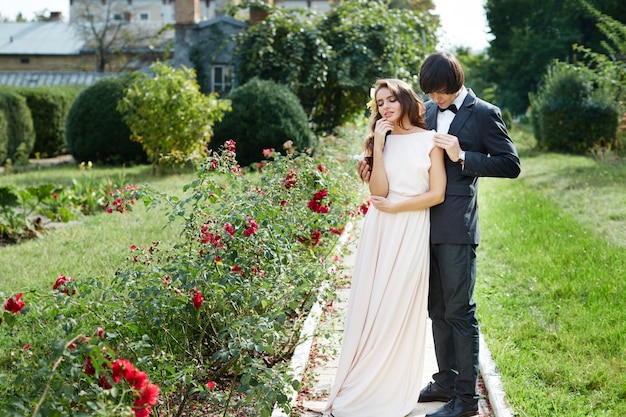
{"points": [[144, 17], [24, 60], [221, 79], [117, 16]]}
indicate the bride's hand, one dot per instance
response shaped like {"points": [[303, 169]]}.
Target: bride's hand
{"points": [[382, 204], [383, 126]]}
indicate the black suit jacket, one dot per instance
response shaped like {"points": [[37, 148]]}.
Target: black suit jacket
{"points": [[489, 152]]}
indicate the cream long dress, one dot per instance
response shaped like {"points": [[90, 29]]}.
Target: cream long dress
{"points": [[382, 356]]}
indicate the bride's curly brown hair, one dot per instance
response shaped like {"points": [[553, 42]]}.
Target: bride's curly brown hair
{"points": [[410, 104]]}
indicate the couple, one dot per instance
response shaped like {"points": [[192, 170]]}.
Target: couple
{"points": [[417, 250]]}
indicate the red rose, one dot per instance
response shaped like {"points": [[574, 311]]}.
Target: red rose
{"points": [[120, 368], [137, 379], [61, 284], [14, 305], [197, 300]]}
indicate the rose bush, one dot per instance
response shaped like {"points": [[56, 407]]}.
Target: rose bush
{"points": [[211, 321]]}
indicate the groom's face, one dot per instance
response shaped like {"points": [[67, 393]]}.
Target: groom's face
{"points": [[443, 100]]}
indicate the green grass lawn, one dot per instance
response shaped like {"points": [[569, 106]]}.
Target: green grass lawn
{"points": [[95, 245], [551, 285]]}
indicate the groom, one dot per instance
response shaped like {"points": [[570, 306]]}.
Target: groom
{"points": [[477, 144]]}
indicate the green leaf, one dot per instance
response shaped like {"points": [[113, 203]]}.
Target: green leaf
{"points": [[8, 198]]}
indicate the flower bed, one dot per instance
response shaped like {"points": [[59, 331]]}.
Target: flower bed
{"points": [[211, 321]]}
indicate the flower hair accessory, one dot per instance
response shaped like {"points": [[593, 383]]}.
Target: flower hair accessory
{"points": [[372, 103]]}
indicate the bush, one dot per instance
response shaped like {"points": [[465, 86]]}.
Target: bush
{"points": [[213, 319], [20, 131], [265, 115], [49, 107], [507, 117], [95, 129], [4, 136], [572, 113], [330, 61], [169, 116]]}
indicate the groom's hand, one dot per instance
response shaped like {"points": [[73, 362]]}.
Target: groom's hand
{"points": [[364, 170], [450, 144]]}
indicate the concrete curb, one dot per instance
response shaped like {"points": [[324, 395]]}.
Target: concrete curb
{"points": [[493, 384]]}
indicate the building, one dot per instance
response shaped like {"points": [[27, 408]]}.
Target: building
{"points": [[140, 11], [43, 46], [164, 11], [130, 35]]}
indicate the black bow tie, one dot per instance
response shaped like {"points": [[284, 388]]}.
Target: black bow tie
{"points": [[451, 107]]}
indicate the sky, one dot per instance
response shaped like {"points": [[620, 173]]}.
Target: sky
{"points": [[463, 21]]}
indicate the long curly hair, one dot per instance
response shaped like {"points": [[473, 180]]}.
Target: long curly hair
{"points": [[411, 105]]}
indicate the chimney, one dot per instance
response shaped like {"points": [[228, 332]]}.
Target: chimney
{"points": [[56, 17], [258, 14], [187, 12]]}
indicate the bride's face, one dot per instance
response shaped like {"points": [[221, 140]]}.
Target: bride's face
{"points": [[388, 105]]}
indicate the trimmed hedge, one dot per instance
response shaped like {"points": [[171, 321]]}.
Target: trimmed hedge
{"points": [[576, 128], [571, 113], [4, 137], [20, 134], [49, 107], [95, 129], [264, 114]]}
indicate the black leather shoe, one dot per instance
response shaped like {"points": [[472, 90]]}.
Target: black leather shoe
{"points": [[435, 392], [455, 408]]}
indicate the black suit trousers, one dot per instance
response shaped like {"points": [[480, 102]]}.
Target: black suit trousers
{"points": [[452, 310]]}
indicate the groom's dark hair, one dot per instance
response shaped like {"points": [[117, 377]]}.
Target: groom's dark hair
{"points": [[441, 72]]}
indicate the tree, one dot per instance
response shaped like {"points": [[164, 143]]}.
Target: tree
{"points": [[610, 64], [330, 62], [418, 5], [169, 116], [107, 28], [474, 68], [42, 15], [530, 34], [100, 29], [285, 49], [369, 41]]}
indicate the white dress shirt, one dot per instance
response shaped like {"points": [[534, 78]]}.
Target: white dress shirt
{"points": [[444, 118]]}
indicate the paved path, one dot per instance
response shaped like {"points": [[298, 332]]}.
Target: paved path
{"points": [[326, 344], [34, 163]]}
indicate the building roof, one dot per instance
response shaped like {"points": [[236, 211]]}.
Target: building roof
{"points": [[39, 38], [39, 78], [220, 20]]}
